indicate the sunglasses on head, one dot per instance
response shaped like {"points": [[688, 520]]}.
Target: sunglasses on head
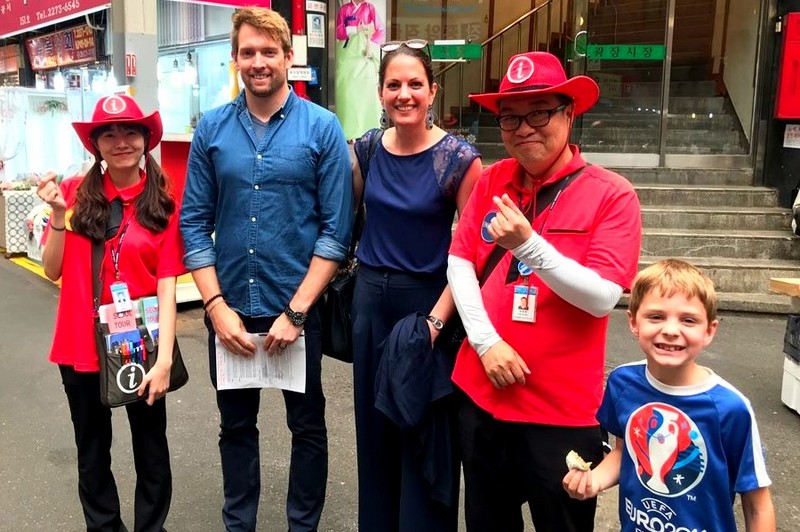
{"points": [[414, 44]]}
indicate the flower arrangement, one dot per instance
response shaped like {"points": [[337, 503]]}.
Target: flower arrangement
{"points": [[21, 184], [53, 106]]}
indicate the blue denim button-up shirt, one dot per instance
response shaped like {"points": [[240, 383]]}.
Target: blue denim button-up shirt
{"points": [[271, 204]]}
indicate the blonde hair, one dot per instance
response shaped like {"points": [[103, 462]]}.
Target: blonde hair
{"points": [[267, 21], [670, 277]]}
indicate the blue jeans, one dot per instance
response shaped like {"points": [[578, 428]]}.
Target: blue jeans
{"points": [[239, 440]]}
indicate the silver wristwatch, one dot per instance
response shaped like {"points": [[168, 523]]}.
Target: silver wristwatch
{"points": [[436, 322]]}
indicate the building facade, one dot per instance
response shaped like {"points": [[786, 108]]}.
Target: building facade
{"points": [[684, 83]]}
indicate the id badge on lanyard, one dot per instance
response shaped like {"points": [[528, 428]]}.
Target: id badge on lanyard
{"points": [[119, 289], [523, 305]]}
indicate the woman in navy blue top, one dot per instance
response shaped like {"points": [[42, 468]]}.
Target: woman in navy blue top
{"points": [[418, 177]]}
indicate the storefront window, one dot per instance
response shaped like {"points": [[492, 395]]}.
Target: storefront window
{"points": [[440, 19], [31, 138], [190, 82], [448, 20]]}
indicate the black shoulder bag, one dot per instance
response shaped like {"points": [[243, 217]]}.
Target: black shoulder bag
{"points": [[337, 327], [120, 378]]}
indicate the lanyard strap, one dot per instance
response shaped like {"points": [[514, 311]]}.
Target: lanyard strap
{"points": [[115, 252], [529, 212], [98, 250]]}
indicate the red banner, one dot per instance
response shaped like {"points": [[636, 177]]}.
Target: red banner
{"points": [[231, 3], [17, 16], [63, 48]]}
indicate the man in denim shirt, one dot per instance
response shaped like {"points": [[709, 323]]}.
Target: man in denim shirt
{"points": [[269, 174]]}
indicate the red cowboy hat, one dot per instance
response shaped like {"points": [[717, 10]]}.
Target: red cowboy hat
{"points": [[535, 73], [116, 109]]}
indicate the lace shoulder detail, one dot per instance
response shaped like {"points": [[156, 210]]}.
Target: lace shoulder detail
{"points": [[361, 147], [452, 157]]}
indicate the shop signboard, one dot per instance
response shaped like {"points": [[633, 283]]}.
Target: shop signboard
{"points": [[8, 59], [439, 19], [315, 29], [626, 52], [62, 48], [455, 50], [17, 16], [300, 74], [316, 6]]}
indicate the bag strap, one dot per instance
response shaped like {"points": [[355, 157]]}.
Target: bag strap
{"points": [[358, 226], [544, 197], [491, 263], [98, 249]]}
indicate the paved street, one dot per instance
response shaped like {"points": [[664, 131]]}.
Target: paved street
{"points": [[37, 457]]}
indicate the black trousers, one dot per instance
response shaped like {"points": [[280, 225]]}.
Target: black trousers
{"points": [[97, 489], [393, 495], [239, 440], [508, 464]]}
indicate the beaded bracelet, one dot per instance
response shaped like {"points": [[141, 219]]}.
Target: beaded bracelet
{"points": [[210, 300]]}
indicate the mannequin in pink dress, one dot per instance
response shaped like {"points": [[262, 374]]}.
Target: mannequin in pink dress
{"points": [[359, 34]]}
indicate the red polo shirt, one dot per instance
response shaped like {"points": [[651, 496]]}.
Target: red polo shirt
{"points": [[144, 258], [597, 222]]}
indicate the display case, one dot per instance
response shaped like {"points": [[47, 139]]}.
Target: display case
{"points": [[790, 385], [14, 207], [35, 132]]}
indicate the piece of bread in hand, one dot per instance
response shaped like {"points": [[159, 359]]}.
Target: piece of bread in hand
{"points": [[574, 461]]}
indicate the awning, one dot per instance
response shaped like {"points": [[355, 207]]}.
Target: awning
{"points": [[17, 16]]}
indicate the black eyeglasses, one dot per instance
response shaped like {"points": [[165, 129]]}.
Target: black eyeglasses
{"points": [[534, 119]]}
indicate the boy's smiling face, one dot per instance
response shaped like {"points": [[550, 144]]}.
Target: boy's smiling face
{"points": [[672, 331]]}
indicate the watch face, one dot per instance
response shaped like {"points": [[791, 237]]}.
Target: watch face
{"points": [[436, 322], [297, 318]]}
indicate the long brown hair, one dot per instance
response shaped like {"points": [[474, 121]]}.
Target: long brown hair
{"points": [[153, 206]]}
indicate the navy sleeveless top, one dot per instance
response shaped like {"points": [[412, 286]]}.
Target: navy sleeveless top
{"points": [[411, 204]]}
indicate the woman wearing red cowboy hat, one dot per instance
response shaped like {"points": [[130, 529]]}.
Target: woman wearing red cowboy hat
{"points": [[144, 251]]}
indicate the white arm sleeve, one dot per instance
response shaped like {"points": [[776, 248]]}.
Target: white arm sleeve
{"points": [[467, 295], [576, 284]]}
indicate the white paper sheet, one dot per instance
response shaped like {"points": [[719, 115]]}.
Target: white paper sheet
{"points": [[285, 370]]}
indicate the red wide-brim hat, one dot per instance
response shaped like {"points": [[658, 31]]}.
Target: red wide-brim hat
{"points": [[535, 73], [119, 109]]}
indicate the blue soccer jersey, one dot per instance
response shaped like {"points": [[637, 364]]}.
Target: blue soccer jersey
{"points": [[687, 451]]}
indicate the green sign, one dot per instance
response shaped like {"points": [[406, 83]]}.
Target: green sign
{"points": [[454, 52], [626, 52]]}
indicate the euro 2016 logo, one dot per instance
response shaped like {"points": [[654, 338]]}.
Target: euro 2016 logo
{"points": [[667, 448]]}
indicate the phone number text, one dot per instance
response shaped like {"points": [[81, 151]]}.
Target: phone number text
{"points": [[64, 8]]}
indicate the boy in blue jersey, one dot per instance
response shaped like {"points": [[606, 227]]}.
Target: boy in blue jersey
{"points": [[687, 440]]}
